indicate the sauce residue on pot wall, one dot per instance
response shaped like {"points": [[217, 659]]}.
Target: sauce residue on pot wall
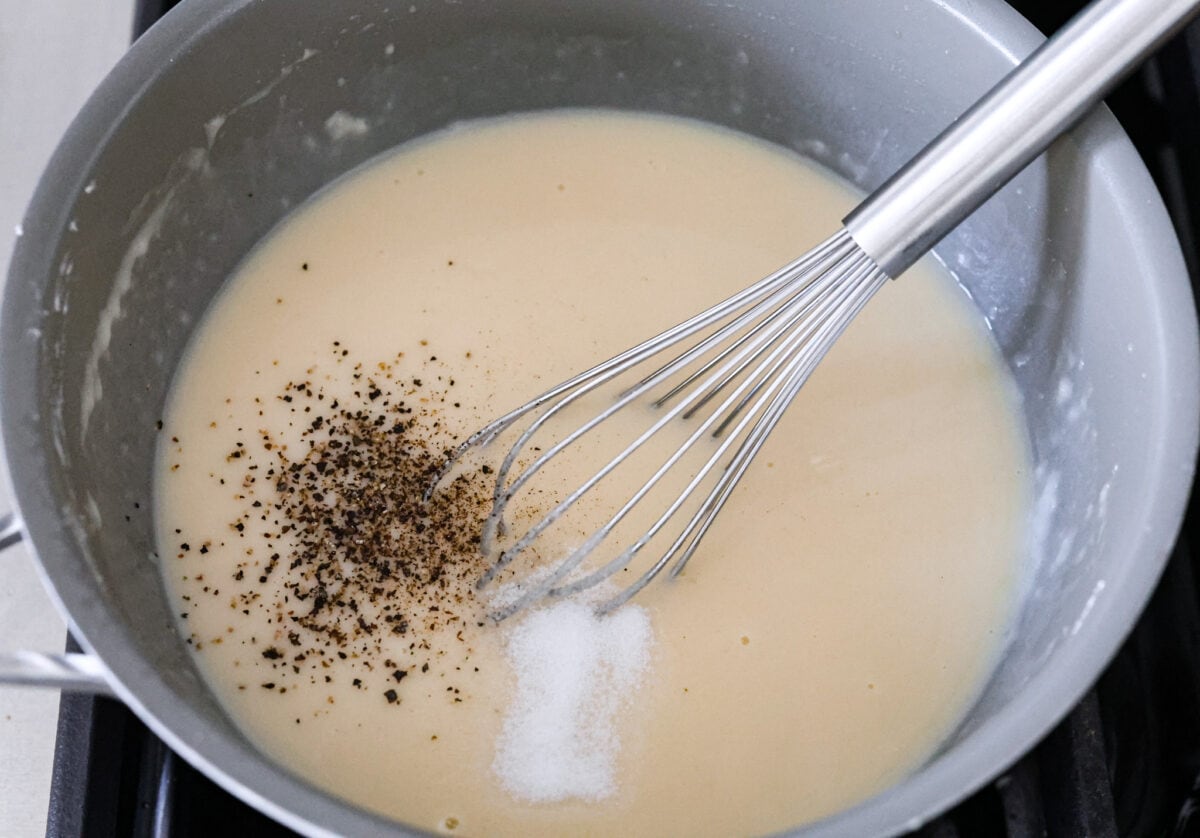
{"points": [[836, 625]]}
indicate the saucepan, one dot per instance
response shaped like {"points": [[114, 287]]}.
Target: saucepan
{"points": [[229, 113]]}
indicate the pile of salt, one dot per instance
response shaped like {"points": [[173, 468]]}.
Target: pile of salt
{"points": [[574, 672]]}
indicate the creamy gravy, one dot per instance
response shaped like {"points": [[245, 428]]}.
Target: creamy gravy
{"points": [[838, 620]]}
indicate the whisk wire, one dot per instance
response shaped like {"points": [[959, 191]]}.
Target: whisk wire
{"points": [[804, 275], [791, 324], [793, 310], [868, 281], [504, 492], [548, 584], [783, 382], [772, 288], [797, 378], [777, 286], [635, 355], [799, 328]]}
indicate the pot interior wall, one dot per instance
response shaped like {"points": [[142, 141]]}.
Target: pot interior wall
{"points": [[266, 105]]}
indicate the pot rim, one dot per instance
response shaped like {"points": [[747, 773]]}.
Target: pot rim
{"points": [[241, 769]]}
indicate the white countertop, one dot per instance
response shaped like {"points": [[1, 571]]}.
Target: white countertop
{"points": [[52, 54]]}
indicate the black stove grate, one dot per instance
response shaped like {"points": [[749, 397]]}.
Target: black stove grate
{"points": [[1126, 761]]}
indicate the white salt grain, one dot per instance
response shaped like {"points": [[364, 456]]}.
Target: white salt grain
{"points": [[574, 672]]}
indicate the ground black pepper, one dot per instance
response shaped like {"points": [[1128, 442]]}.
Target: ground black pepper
{"points": [[362, 565]]}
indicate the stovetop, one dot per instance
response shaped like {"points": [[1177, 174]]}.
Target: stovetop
{"points": [[1126, 761]]}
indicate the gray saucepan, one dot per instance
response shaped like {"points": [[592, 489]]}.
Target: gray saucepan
{"points": [[225, 116]]}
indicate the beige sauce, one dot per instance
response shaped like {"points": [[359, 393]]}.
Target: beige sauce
{"points": [[839, 618]]}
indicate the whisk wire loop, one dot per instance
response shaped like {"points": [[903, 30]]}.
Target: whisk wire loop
{"points": [[764, 341], [801, 359], [504, 492], [786, 339]]}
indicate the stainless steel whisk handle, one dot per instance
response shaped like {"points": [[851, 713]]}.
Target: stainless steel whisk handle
{"points": [[999, 135]]}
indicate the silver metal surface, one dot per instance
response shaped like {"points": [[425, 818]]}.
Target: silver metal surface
{"points": [[22, 668], [1015, 122], [11, 530], [38, 669], [70, 671], [212, 128]]}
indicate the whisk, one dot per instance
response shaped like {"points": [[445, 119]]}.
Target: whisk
{"points": [[733, 369]]}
